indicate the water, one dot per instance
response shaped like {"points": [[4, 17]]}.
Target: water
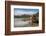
{"points": [[18, 22]]}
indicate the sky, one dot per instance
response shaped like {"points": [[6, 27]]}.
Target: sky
{"points": [[21, 11]]}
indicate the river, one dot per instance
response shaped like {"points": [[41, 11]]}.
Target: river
{"points": [[18, 22]]}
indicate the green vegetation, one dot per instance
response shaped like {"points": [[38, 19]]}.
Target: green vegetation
{"points": [[23, 16]]}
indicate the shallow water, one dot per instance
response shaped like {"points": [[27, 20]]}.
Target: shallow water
{"points": [[18, 22]]}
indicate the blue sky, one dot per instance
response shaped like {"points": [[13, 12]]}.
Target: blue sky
{"points": [[20, 11]]}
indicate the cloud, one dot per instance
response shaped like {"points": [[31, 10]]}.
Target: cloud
{"points": [[28, 12]]}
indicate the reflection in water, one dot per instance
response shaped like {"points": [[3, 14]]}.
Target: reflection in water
{"points": [[19, 22]]}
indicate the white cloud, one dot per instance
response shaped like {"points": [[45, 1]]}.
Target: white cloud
{"points": [[28, 13]]}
